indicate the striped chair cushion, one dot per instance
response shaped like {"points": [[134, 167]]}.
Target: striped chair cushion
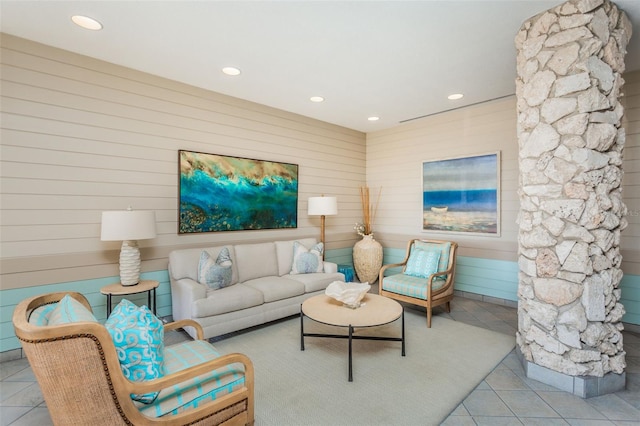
{"points": [[204, 388], [410, 286]]}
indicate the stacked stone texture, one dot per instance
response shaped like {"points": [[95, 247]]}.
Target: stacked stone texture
{"points": [[570, 61]]}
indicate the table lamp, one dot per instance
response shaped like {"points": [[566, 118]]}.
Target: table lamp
{"points": [[322, 206], [128, 226]]}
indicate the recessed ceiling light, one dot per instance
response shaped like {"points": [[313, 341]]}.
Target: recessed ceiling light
{"points": [[455, 96], [86, 22], [231, 71], [374, 118], [316, 99]]}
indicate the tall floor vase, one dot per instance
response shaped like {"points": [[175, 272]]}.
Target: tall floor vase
{"points": [[367, 259]]}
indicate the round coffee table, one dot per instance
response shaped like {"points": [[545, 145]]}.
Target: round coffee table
{"points": [[375, 311]]}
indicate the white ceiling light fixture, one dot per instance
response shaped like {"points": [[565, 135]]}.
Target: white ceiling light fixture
{"points": [[86, 22], [373, 118], [455, 96], [231, 71], [316, 99]]}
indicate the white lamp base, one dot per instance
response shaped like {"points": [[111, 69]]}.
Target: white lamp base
{"points": [[129, 263]]}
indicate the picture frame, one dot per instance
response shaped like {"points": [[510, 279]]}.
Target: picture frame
{"points": [[462, 195], [226, 193]]}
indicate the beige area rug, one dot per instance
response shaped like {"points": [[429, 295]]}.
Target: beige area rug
{"points": [[441, 367]]}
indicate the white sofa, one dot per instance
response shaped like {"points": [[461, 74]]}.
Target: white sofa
{"points": [[262, 288]]}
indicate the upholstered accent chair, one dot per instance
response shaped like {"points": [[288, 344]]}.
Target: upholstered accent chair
{"points": [[427, 275], [81, 379]]}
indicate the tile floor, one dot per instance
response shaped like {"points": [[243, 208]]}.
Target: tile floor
{"points": [[505, 397]]}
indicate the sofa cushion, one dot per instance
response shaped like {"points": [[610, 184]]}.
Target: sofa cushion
{"points": [[228, 299], [191, 393], [215, 273], [276, 288], [256, 260], [138, 336], [316, 282], [307, 261], [184, 263], [69, 310], [284, 250]]}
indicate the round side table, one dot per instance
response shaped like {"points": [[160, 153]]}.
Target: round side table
{"points": [[118, 289]]}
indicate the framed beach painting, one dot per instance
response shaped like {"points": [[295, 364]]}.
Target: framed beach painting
{"points": [[224, 193], [462, 195]]}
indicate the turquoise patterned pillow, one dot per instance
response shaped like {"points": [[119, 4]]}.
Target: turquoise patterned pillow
{"points": [[138, 336], [422, 263], [40, 315], [215, 273], [307, 261], [442, 248], [69, 310]]}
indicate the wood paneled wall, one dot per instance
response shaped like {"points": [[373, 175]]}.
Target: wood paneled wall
{"points": [[80, 136], [394, 160]]}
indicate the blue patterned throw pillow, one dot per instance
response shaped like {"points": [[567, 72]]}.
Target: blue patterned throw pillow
{"points": [[307, 261], [69, 310], [422, 263], [138, 336], [442, 248], [215, 273], [40, 315]]}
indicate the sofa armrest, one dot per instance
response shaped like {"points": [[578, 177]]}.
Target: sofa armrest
{"points": [[330, 267], [184, 293]]}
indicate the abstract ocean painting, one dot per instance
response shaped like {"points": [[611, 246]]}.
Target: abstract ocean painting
{"points": [[223, 193], [462, 194]]}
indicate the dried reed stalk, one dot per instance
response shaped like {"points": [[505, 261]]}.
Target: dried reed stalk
{"points": [[368, 210]]}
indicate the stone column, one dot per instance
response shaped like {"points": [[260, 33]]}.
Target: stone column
{"points": [[569, 65]]}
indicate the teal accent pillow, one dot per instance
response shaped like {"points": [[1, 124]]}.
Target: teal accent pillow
{"points": [[138, 336], [40, 315], [307, 261], [69, 310], [422, 263], [442, 248], [215, 273]]}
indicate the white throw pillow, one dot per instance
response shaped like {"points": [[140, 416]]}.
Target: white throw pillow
{"points": [[306, 261], [215, 273]]}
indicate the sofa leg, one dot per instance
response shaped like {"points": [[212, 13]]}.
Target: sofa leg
{"points": [[448, 306], [428, 317]]}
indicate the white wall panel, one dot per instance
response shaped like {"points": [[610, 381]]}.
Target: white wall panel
{"points": [[80, 136], [395, 156]]}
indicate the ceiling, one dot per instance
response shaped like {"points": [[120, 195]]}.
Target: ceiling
{"points": [[397, 60]]}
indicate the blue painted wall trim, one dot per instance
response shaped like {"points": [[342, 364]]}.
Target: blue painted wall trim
{"points": [[499, 278], [90, 289], [495, 278]]}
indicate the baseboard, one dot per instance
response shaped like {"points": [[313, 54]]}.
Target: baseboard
{"points": [[488, 299], [581, 386]]}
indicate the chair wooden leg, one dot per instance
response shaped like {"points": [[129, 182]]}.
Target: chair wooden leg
{"points": [[428, 317], [448, 306]]}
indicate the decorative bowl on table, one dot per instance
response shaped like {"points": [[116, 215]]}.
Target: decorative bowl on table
{"points": [[350, 294]]}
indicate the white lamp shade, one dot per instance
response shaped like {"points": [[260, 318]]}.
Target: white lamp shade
{"points": [[323, 206], [122, 225]]}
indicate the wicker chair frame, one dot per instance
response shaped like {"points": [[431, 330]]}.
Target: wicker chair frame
{"points": [[82, 383], [441, 296]]}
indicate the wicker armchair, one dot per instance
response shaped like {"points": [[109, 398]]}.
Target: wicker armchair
{"points": [[81, 379], [430, 291]]}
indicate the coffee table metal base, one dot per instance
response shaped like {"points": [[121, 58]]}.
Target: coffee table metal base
{"points": [[351, 338]]}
